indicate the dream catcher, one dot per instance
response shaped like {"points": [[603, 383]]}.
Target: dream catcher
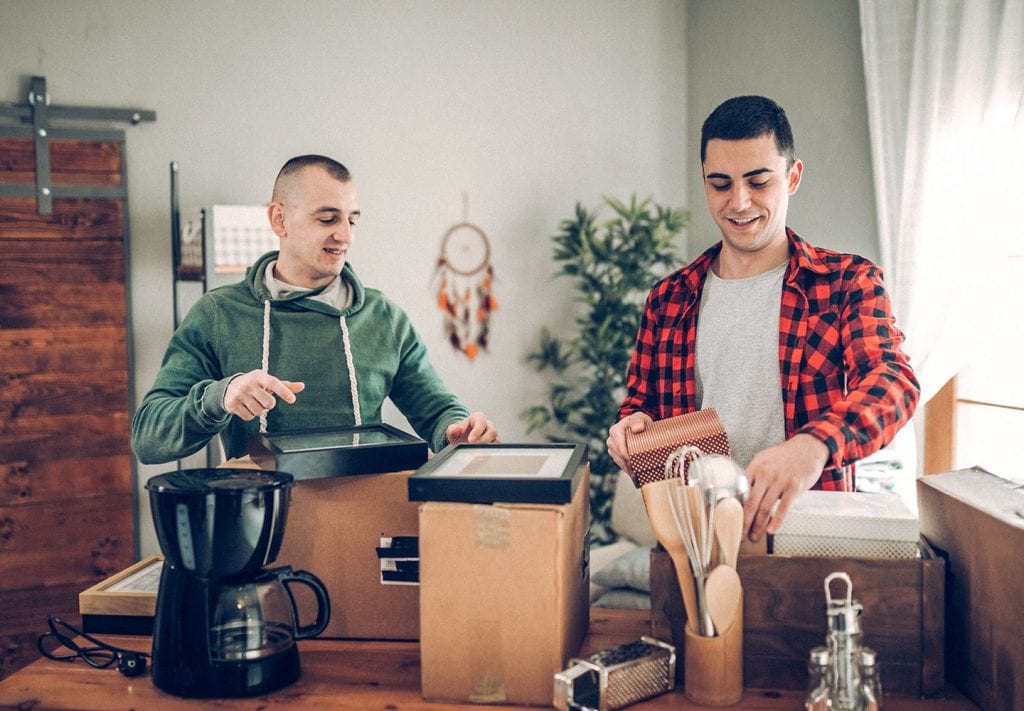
{"points": [[465, 288]]}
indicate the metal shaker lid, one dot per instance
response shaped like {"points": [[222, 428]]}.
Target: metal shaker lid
{"points": [[842, 613]]}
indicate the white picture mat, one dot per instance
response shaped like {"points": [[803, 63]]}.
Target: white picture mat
{"points": [[144, 580], [525, 463]]}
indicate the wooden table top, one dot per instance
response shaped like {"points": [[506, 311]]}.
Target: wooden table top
{"points": [[357, 675]]}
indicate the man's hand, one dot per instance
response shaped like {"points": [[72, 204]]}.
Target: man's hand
{"points": [[475, 429], [777, 476], [636, 423], [255, 393]]}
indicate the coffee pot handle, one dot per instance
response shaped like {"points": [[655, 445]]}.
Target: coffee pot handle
{"points": [[323, 603]]}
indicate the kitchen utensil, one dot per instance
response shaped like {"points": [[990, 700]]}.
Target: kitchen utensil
{"points": [[724, 594], [695, 522], [728, 530], [658, 502], [721, 476], [617, 677]]}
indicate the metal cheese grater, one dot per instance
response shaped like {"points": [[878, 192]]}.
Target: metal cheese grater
{"points": [[617, 677]]}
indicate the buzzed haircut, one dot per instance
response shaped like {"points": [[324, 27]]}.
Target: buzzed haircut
{"points": [[744, 117], [294, 165]]}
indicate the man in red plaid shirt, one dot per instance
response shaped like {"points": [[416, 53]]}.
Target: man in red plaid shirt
{"points": [[774, 311]]}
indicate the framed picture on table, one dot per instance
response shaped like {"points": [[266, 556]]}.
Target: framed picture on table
{"points": [[508, 473], [365, 449]]}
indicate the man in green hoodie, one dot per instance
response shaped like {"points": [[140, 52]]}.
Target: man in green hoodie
{"points": [[300, 329]]}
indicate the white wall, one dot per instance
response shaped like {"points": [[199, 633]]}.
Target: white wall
{"points": [[526, 107], [806, 55]]}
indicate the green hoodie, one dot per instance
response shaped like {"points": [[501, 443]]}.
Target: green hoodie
{"points": [[223, 335]]}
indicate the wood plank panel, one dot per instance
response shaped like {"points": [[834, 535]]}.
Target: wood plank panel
{"points": [[75, 218], [70, 350], [66, 478], [58, 543], [72, 162], [940, 430], [62, 436], [61, 304], [81, 261], [34, 481], [54, 393]]}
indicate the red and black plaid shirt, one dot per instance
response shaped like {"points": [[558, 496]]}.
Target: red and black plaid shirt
{"points": [[845, 380]]}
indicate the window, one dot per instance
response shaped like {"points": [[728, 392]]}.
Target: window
{"points": [[978, 419]]}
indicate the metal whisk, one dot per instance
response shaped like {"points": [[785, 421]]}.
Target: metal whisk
{"points": [[689, 503]]}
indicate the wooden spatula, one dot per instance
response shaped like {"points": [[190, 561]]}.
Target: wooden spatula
{"points": [[659, 511], [724, 593], [728, 530]]}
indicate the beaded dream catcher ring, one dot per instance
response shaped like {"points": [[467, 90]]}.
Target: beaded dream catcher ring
{"points": [[465, 288]]}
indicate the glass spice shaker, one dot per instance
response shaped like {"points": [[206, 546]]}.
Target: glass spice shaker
{"points": [[870, 684], [817, 698], [844, 646]]}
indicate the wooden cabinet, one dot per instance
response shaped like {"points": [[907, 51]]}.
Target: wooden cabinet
{"points": [[66, 501]]}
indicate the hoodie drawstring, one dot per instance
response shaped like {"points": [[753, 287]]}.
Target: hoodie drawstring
{"points": [[346, 341], [351, 371], [265, 362]]}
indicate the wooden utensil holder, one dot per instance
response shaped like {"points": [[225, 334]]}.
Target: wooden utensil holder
{"points": [[714, 665]]}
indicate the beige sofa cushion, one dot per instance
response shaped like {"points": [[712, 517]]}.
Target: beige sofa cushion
{"points": [[629, 516]]}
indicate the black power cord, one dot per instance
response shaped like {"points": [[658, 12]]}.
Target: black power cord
{"points": [[101, 655]]}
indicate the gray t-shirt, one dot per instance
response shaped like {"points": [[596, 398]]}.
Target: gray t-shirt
{"points": [[738, 359]]}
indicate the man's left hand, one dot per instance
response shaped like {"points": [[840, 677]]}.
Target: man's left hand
{"points": [[475, 429], [777, 476]]}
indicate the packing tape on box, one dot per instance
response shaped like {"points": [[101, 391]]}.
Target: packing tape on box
{"points": [[492, 527], [486, 668]]}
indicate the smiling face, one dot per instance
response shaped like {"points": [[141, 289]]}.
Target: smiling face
{"points": [[747, 184], [315, 216]]}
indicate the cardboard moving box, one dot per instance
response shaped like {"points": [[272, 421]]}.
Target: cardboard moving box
{"points": [[504, 597], [976, 521], [335, 525]]}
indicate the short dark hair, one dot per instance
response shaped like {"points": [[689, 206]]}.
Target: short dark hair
{"points": [[333, 167], [744, 117]]}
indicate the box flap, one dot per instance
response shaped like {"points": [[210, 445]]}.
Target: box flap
{"points": [[1000, 498]]}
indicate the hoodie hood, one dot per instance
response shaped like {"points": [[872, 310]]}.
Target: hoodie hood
{"points": [[257, 285]]}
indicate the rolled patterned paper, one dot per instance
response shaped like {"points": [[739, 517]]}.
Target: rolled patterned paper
{"points": [[649, 450]]}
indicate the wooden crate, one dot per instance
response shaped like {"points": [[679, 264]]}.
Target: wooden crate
{"points": [[784, 616]]}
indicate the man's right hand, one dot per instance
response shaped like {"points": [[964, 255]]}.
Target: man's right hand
{"points": [[636, 422], [255, 393]]}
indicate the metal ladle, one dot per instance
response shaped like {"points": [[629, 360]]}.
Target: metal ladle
{"points": [[721, 476]]}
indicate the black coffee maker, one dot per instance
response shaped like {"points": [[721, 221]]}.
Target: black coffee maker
{"points": [[225, 624]]}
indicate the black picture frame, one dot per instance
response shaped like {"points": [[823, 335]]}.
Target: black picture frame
{"points": [[460, 473], [338, 451]]}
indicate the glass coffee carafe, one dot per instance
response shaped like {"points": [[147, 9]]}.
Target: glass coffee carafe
{"points": [[257, 618]]}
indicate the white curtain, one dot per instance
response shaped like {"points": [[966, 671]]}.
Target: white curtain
{"points": [[945, 95]]}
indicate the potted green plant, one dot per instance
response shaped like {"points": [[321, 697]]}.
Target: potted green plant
{"points": [[614, 264]]}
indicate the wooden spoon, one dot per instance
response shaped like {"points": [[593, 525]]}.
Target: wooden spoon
{"points": [[724, 592], [729, 529], [659, 510]]}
